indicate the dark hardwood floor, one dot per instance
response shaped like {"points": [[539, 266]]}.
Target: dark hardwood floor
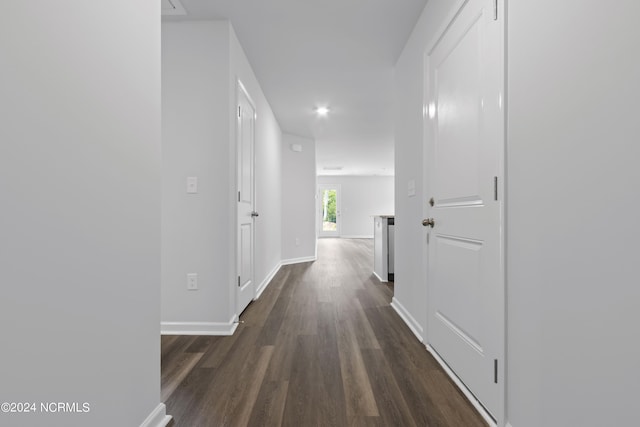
{"points": [[321, 347]]}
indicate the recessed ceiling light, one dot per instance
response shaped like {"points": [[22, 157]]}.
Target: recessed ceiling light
{"points": [[322, 111]]}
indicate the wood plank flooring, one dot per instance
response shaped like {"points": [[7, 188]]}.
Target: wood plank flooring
{"points": [[321, 347]]}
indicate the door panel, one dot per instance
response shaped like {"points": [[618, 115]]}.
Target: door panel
{"points": [[456, 82], [246, 234], [459, 274], [246, 200], [465, 148]]}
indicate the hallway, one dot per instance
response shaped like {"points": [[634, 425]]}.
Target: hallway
{"points": [[320, 347]]}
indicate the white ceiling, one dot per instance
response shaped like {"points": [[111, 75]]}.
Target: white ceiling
{"points": [[338, 53]]}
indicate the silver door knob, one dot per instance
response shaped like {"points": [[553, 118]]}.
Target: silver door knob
{"points": [[428, 222], [254, 214]]}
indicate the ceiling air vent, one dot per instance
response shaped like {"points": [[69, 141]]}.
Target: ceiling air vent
{"points": [[332, 168], [172, 7]]}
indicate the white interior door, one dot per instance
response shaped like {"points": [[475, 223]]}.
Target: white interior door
{"points": [[247, 215], [329, 201], [465, 145]]}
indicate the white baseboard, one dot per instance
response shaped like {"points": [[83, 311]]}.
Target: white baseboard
{"points": [[267, 280], [198, 328], [357, 237], [299, 260], [463, 388], [157, 418], [380, 278], [408, 319]]}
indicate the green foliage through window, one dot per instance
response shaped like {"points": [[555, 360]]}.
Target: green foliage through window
{"points": [[329, 210]]}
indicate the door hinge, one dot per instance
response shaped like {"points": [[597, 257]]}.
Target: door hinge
{"points": [[238, 196], [495, 371], [239, 111], [495, 188], [238, 280], [495, 10]]}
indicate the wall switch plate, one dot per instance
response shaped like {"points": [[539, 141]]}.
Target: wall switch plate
{"points": [[297, 242], [411, 188], [192, 184], [192, 281]]}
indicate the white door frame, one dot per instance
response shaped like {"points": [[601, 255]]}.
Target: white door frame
{"points": [[338, 189], [242, 91], [502, 372]]}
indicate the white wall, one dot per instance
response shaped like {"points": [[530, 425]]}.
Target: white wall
{"points": [[409, 274], [362, 197], [201, 63], [80, 216], [298, 199], [573, 206], [196, 142]]}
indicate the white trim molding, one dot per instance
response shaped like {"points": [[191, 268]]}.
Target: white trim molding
{"points": [[199, 328], [299, 260], [267, 280], [383, 281], [408, 319], [157, 418], [357, 237], [463, 388]]}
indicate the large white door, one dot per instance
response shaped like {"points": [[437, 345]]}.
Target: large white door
{"points": [[247, 215], [465, 145]]}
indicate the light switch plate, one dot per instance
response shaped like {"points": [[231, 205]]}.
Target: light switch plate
{"points": [[411, 188], [192, 184], [192, 281]]}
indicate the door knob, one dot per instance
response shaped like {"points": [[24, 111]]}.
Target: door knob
{"points": [[428, 222], [254, 214]]}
